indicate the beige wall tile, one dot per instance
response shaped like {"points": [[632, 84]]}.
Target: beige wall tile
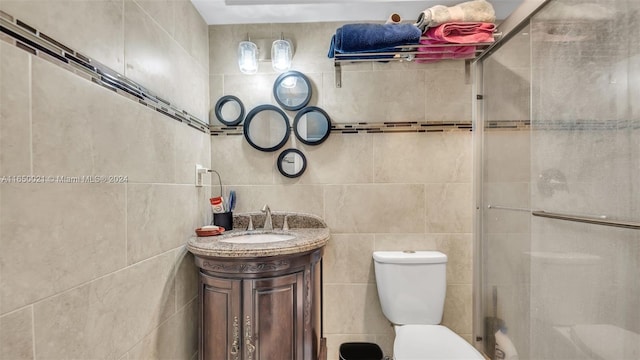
{"points": [[161, 11], [50, 231], [348, 259], [458, 309], [157, 62], [15, 118], [375, 96], [412, 242], [509, 156], [191, 147], [448, 96], [299, 198], [353, 309], [449, 208], [159, 218], [458, 248], [341, 159], [106, 317], [176, 339], [101, 36], [186, 277], [110, 136], [252, 90], [192, 32], [375, 208], [240, 164], [216, 91], [16, 335], [423, 158], [205, 216]]}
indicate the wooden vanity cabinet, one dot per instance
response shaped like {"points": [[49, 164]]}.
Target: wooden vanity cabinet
{"points": [[260, 309]]}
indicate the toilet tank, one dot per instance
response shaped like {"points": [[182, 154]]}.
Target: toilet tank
{"points": [[411, 285]]}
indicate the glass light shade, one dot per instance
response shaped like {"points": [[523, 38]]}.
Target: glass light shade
{"points": [[248, 57], [281, 55]]}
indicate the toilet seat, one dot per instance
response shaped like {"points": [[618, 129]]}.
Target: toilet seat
{"points": [[422, 342]]}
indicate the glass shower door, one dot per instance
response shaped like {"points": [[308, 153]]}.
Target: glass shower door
{"points": [[561, 142], [585, 292], [505, 193]]}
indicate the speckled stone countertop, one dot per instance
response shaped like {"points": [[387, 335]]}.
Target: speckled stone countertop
{"points": [[310, 233]]}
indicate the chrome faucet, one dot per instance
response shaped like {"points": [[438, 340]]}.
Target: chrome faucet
{"points": [[268, 225]]}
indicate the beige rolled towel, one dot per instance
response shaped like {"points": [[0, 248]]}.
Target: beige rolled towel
{"points": [[394, 19], [470, 11]]}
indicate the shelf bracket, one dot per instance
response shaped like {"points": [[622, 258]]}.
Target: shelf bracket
{"points": [[337, 71], [467, 72]]}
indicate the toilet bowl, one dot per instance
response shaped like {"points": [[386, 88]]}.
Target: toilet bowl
{"points": [[412, 287], [422, 342]]}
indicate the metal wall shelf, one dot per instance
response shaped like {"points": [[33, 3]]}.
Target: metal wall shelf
{"points": [[404, 53]]}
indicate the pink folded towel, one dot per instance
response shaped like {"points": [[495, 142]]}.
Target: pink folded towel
{"points": [[454, 33], [462, 33]]}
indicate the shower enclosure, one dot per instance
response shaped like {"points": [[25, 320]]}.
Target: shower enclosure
{"points": [[558, 183]]}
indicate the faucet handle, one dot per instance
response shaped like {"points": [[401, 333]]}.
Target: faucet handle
{"points": [[250, 226], [285, 223], [265, 208]]}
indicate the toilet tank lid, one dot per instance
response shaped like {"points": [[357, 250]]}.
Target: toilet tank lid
{"points": [[410, 257]]}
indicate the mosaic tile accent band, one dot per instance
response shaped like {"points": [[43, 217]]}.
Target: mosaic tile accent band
{"points": [[371, 127], [25, 37], [564, 125]]}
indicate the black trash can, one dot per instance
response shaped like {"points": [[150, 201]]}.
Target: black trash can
{"points": [[360, 351]]}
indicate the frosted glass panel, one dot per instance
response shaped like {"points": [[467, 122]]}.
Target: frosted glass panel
{"points": [[506, 176], [562, 134]]}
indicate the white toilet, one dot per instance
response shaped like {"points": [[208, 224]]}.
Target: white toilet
{"points": [[411, 288]]}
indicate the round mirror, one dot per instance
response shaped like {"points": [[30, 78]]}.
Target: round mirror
{"points": [[266, 128], [312, 125], [292, 163], [229, 110], [292, 90]]}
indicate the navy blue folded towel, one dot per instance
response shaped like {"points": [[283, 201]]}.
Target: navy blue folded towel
{"points": [[354, 38]]}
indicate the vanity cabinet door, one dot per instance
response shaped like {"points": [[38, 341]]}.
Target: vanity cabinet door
{"points": [[220, 325], [273, 320]]}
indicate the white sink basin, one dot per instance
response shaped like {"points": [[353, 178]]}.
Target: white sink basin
{"points": [[258, 238]]}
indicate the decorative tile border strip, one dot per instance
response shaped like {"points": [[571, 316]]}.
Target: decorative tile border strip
{"points": [[371, 128], [25, 37], [565, 125], [507, 125]]}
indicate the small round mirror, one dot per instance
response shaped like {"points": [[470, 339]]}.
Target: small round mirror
{"points": [[292, 90], [266, 128], [312, 125], [229, 110], [292, 163]]}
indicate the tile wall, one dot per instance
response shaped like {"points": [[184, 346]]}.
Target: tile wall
{"points": [[376, 191], [99, 270]]}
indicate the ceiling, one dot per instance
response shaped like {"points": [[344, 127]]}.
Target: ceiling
{"points": [[222, 12]]}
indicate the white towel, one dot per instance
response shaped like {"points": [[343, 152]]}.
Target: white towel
{"points": [[470, 11]]}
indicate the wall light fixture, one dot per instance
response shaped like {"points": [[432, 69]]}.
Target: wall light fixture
{"points": [[250, 52], [248, 57]]}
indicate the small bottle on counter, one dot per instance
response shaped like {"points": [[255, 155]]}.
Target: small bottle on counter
{"points": [[217, 204]]}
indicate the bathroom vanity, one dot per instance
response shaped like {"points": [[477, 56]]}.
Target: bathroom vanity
{"points": [[260, 290]]}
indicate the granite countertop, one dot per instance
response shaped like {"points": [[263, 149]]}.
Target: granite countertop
{"points": [[310, 233]]}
